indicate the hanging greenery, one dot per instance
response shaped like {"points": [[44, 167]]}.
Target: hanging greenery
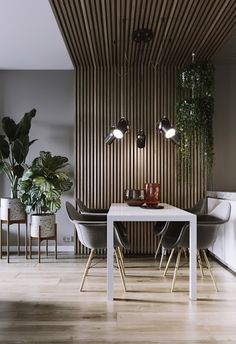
{"points": [[195, 107]]}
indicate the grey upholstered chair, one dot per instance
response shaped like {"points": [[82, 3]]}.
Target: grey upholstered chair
{"points": [[177, 236], [160, 228], [101, 213], [92, 233]]}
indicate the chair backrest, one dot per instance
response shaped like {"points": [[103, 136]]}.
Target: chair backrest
{"points": [[222, 211], [92, 229], [81, 206], [160, 227], [72, 212], [92, 235], [92, 232], [207, 226], [200, 207], [85, 210]]}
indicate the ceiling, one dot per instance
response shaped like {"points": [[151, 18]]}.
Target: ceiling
{"points": [[30, 37], [99, 32]]}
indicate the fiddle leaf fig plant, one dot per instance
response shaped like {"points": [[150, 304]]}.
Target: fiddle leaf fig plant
{"points": [[14, 148], [43, 183]]}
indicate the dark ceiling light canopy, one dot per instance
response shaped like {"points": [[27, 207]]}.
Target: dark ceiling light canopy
{"points": [[166, 128], [141, 139], [142, 35], [118, 131]]}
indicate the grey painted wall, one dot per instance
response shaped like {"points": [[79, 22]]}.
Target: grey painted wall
{"points": [[52, 94], [224, 172]]}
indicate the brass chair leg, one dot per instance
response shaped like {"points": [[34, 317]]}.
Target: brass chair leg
{"points": [[121, 257], [161, 260], [176, 269], [168, 262], [199, 259], [120, 270], [91, 256], [158, 246], [209, 268]]}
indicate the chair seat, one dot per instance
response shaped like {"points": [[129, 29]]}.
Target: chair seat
{"points": [[209, 219]]}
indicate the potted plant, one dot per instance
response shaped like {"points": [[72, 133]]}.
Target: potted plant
{"points": [[41, 187], [14, 148]]}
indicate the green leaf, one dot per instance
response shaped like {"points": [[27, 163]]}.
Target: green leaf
{"points": [[4, 148], [52, 163], [9, 127], [44, 184], [31, 142], [20, 149], [2, 166], [23, 127], [18, 170]]}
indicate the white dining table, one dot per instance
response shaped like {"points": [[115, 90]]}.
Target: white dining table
{"points": [[125, 213]]}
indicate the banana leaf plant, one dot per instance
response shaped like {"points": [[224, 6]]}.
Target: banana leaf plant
{"points": [[43, 183], [14, 148]]}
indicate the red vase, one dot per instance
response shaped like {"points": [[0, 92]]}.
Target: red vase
{"points": [[152, 193]]}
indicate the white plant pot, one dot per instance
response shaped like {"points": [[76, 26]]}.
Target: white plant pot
{"points": [[17, 212], [47, 223]]}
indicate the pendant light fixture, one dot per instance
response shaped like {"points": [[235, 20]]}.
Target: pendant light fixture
{"points": [[141, 36], [118, 131], [165, 127]]}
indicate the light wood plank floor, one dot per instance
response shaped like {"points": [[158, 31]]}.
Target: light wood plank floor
{"points": [[41, 303]]}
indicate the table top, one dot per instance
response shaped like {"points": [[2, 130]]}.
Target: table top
{"points": [[124, 212]]}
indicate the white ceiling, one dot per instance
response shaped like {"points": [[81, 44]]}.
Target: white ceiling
{"points": [[30, 37]]}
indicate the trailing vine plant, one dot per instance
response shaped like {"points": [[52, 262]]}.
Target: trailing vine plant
{"points": [[195, 107]]}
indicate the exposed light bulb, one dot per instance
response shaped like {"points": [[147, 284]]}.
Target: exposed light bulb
{"points": [[118, 133], [170, 133]]}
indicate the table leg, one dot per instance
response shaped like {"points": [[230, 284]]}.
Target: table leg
{"points": [[193, 259], [110, 248], [1, 241]]}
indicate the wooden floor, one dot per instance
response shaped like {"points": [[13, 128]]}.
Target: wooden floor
{"points": [[41, 303]]}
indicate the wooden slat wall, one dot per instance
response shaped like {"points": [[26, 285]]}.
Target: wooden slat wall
{"points": [[99, 32], [117, 77], [143, 96]]}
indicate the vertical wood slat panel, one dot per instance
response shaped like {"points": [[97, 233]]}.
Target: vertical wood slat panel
{"points": [[104, 172], [98, 35]]}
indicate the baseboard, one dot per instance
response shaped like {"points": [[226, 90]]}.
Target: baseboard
{"points": [[51, 248], [222, 263]]}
